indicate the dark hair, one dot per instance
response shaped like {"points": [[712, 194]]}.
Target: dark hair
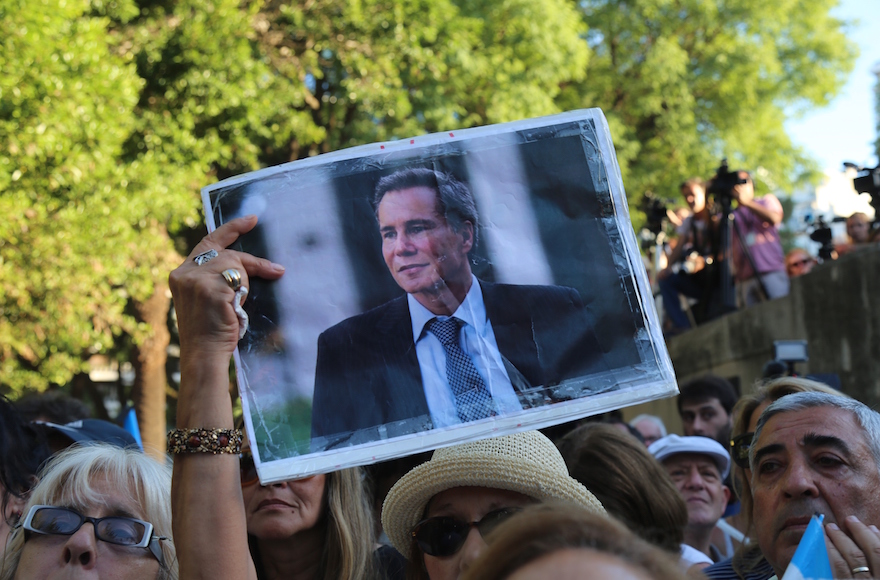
{"points": [[698, 181], [22, 451], [52, 406], [548, 528], [630, 483], [708, 387], [454, 200]]}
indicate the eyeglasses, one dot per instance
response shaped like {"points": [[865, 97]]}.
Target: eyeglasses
{"points": [[739, 449], [444, 536], [119, 530], [247, 469]]}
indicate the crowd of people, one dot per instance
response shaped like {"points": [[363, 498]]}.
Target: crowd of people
{"points": [[729, 497], [692, 283]]}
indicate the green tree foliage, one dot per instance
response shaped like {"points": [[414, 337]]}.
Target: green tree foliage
{"points": [[686, 82]]}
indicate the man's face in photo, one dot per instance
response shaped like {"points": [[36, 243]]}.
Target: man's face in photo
{"points": [[422, 251], [816, 460], [698, 480], [706, 419]]}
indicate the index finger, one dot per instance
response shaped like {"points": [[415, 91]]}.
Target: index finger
{"points": [[224, 236]]}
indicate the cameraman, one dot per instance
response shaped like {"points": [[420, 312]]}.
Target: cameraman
{"points": [[687, 273], [757, 223]]}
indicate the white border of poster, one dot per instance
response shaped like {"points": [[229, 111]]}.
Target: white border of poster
{"points": [[552, 215]]}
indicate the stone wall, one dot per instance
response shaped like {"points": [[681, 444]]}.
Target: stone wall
{"points": [[836, 308]]}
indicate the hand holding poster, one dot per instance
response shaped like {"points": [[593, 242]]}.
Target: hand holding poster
{"points": [[438, 290]]}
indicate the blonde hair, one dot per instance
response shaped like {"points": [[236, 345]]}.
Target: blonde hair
{"points": [[69, 478], [348, 551]]}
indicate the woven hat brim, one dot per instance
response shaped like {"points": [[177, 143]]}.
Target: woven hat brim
{"points": [[406, 502]]}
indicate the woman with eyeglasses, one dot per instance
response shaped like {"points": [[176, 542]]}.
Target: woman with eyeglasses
{"points": [[228, 525], [439, 514], [748, 563], [98, 511]]}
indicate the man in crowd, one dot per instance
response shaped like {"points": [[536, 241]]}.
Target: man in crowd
{"points": [[650, 427], [858, 230], [798, 262], [705, 405], [453, 348], [757, 221], [697, 466], [818, 453], [687, 273]]}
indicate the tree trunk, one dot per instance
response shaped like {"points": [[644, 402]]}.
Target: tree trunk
{"points": [[148, 392]]}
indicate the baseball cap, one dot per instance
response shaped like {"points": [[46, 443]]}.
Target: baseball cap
{"points": [[87, 431], [675, 445]]}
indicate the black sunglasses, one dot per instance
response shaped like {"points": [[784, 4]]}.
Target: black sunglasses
{"points": [[119, 530], [739, 449], [444, 535], [247, 469]]}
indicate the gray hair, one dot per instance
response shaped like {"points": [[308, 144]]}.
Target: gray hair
{"points": [[868, 419], [652, 419], [69, 480], [454, 200]]}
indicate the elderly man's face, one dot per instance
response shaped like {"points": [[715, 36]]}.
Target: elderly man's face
{"points": [[812, 461], [422, 251], [700, 483]]}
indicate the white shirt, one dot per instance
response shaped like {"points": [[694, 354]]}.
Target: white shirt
{"points": [[477, 340]]}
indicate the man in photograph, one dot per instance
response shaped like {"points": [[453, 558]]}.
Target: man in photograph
{"points": [[454, 348]]}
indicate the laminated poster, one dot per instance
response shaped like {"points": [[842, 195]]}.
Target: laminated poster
{"points": [[440, 289]]}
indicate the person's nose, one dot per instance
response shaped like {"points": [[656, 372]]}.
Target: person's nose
{"points": [[81, 548], [698, 427], [473, 547], [798, 481], [694, 480]]}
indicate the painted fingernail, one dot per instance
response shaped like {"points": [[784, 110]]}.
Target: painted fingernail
{"points": [[832, 526]]}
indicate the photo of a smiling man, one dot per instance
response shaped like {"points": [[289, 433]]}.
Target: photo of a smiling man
{"points": [[453, 348]]}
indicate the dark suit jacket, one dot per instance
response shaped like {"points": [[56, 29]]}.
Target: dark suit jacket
{"points": [[368, 375]]}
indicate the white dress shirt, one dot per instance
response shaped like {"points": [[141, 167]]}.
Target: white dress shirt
{"points": [[477, 340]]}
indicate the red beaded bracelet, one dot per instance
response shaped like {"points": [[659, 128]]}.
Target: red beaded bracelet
{"points": [[213, 441]]}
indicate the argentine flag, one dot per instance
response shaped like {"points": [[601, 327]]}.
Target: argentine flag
{"points": [[810, 560]]}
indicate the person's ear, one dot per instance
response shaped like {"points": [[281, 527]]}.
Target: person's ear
{"points": [[726, 491], [467, 235]]}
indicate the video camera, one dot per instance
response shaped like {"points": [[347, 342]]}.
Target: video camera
{"points": [[655, 209], [868, 181], [822, 234], [724, 181]]}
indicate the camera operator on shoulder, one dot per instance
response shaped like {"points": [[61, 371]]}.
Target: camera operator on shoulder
{"points": [[687, 272], [756, 245]]}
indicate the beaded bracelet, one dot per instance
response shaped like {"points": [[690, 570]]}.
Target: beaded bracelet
{"points": [[213, 441]]}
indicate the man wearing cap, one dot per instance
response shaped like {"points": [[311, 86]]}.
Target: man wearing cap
{"points": [[698, 466]]}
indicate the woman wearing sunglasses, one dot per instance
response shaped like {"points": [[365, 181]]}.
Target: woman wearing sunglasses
{"points": [[230, 526], [748, 563], [98, 511], [439, 513]]}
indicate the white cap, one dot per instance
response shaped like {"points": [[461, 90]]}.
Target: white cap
{"points": [[676, 445]]}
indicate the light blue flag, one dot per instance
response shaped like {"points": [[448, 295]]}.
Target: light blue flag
{"points": [[131, 425], [810, 560]]}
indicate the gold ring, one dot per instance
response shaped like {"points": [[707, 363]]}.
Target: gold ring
{"points": [[232, 277]]}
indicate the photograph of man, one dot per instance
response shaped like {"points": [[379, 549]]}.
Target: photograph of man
{"points": [[453, 348]]}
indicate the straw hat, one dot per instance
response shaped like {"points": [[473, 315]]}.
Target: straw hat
{"points": [[526, 462]]}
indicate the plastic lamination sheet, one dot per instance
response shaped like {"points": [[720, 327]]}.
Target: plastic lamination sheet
{"points": [[514, 238]]}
